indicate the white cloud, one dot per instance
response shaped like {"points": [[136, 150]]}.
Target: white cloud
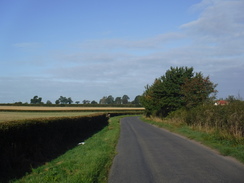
{"points": [[218, 19], [212, 44], [217, 38]]}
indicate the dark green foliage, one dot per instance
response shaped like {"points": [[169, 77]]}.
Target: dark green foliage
{"points": [[227, 119], [87, 163], [113, 114], [64, 100], [175, 90], [197, 90], [36, 100], [110, 99], [125, 99], [49, 102], [118, 100], [136, 100], [29, 143]]}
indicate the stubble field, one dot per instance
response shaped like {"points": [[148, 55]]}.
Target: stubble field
{"points": [[11, 113], [11, 116]]}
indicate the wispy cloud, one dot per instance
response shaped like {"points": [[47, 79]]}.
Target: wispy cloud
{"points": [[148, 43], [212, 44], [219, 19], [27, 45]]}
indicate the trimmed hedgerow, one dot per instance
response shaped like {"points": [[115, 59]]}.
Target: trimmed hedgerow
{"points": [[29, 143]]}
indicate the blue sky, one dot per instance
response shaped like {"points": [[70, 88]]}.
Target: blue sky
{"points": [[90, 49]]}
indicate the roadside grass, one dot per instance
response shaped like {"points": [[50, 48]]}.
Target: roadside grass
{"points": [[88, 163], [12, 116], [224, 144]]}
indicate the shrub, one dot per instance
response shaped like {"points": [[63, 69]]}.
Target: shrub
{"points": [[228, 118]]}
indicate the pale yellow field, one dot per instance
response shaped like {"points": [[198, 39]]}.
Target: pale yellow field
{"points": [[10, 113], [11, 116], [34, 108]]}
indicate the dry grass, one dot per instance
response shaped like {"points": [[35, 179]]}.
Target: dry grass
{"points": [[169, 121]]}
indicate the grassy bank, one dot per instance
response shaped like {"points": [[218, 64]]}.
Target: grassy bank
{"points": [[88, 163], [226, 145]]}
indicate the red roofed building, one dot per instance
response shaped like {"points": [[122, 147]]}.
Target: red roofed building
{"points": [[221, 102]]}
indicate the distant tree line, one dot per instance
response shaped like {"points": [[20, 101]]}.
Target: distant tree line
{"points": [[110, 100]]}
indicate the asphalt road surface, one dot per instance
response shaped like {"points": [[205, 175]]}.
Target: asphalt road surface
{"points": [[147, 154]]}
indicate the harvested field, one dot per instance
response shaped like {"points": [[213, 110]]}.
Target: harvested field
{"points": [[12, 116], [11, 113], [41, 108]]}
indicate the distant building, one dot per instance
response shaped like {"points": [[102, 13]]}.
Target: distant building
{"points": [[221, 102]]}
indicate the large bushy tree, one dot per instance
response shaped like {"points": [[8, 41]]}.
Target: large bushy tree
{"points": [[197, 90], [179, 87]]}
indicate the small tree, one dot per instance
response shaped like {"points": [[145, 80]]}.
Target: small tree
{"points": [[69, 100], [125, 99], [36, 100], [93, 102], [110, 99], [118, 100], [86, 101], [103, 100], [136, 100], [151, 97], [64, 100], [48, 102]]}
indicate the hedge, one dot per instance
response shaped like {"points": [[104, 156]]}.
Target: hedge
{"points": [[29, 143]]}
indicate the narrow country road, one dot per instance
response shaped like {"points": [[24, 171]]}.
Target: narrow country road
{"points": [[147, 154]]}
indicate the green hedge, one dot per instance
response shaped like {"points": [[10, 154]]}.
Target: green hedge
{"points": [[112, 114], [29, 143], [228, 118]]}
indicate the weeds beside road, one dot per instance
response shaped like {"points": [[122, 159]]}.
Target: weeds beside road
{"points": [[220, 140], [220, 127]]}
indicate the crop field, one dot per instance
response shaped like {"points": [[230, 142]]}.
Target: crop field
{"points": [[11, 116], [11, 113], [41, 108]]}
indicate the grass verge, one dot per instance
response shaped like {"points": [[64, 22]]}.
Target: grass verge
{"points": [[88, 163], [226, 145]]}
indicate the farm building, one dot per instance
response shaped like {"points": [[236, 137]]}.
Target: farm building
{"points": [[221, 102]]}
